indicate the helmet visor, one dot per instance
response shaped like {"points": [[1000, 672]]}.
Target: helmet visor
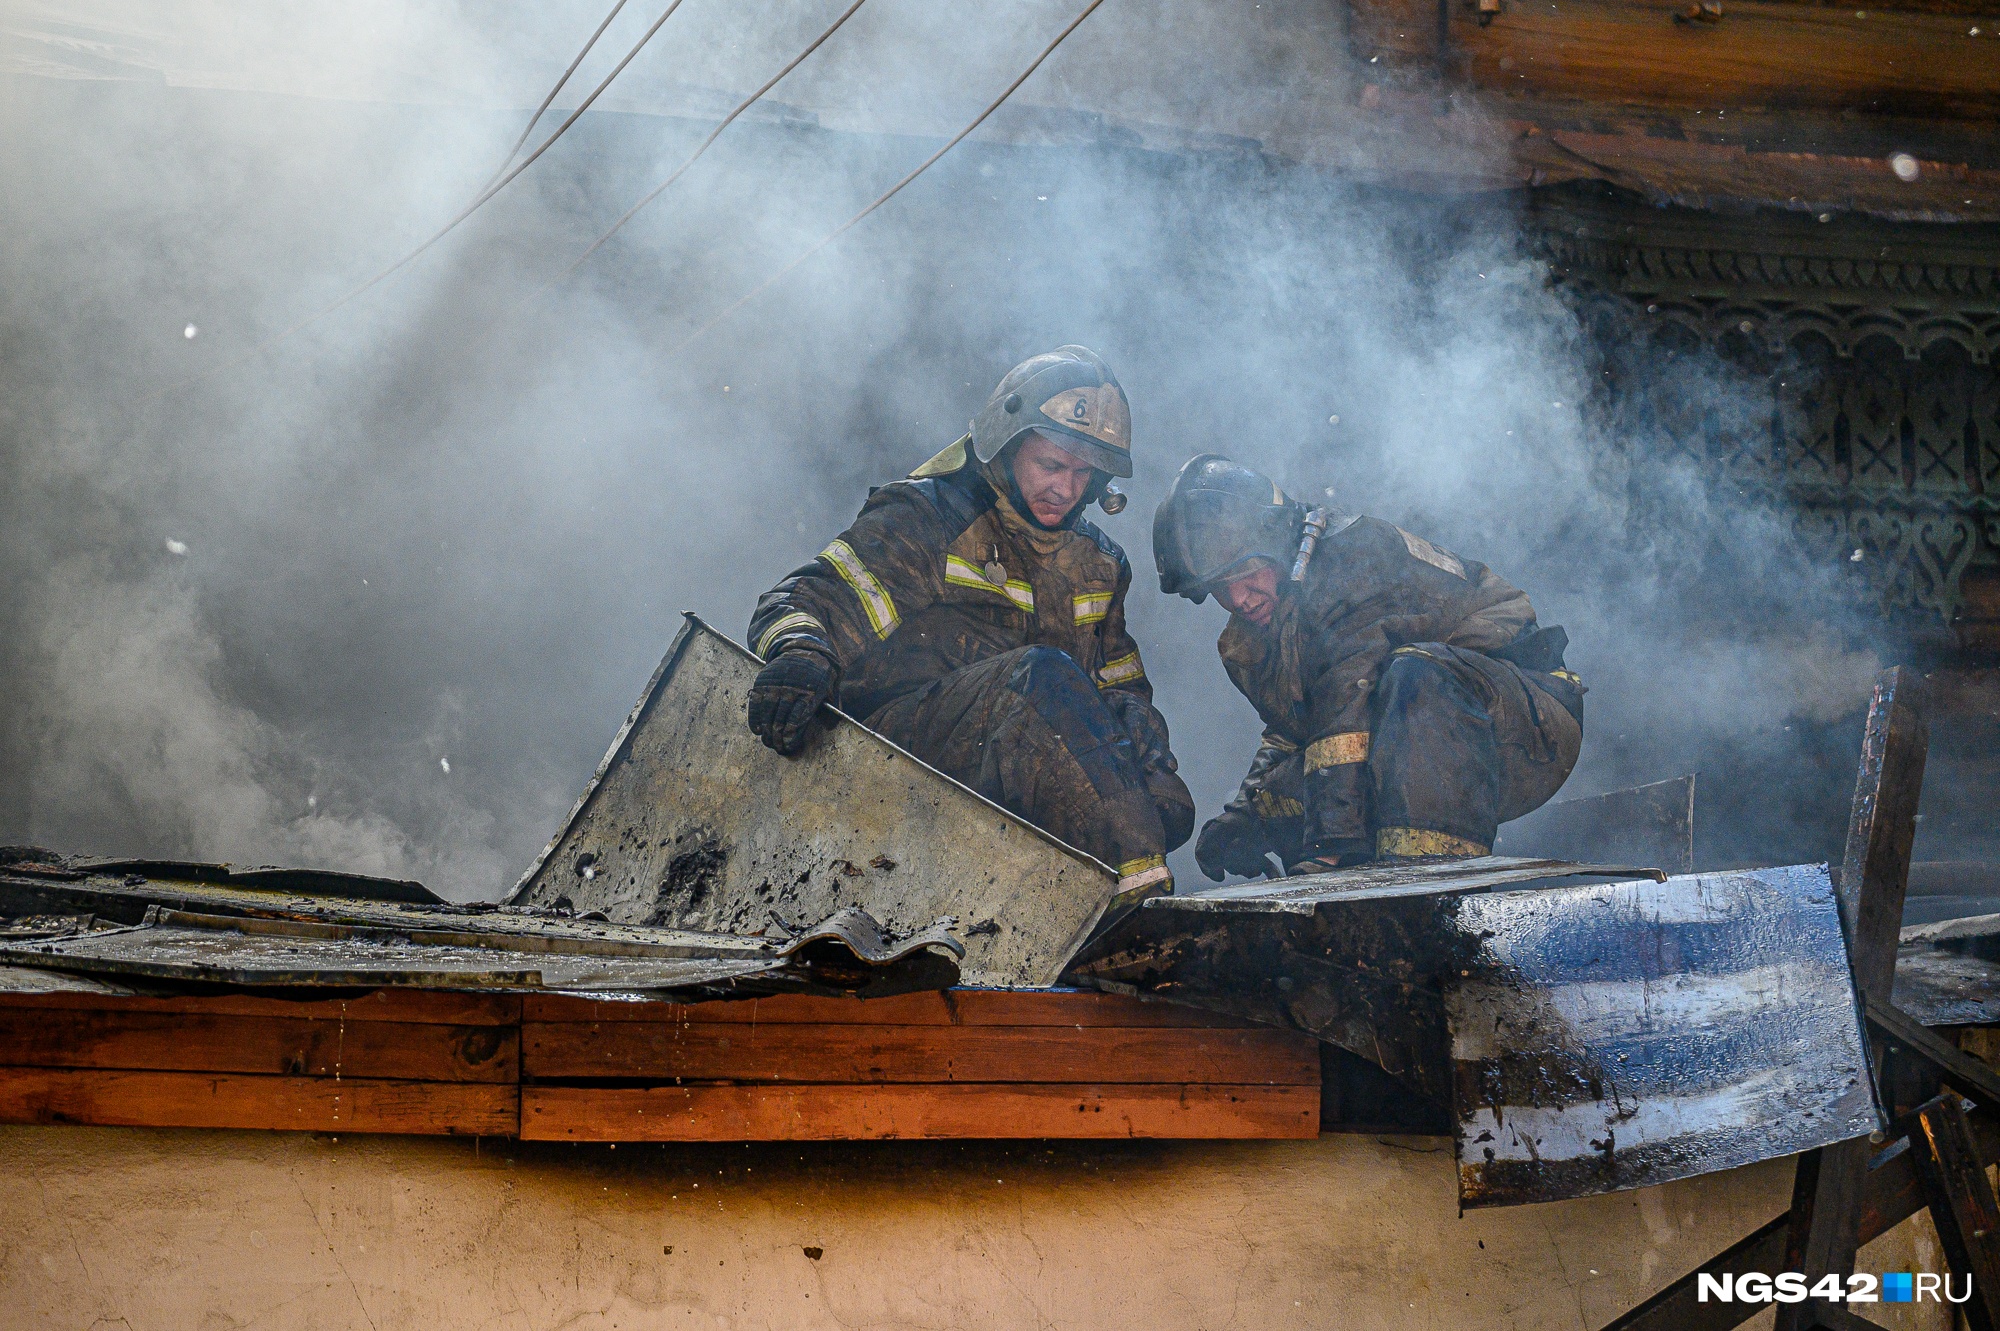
{"points": [[1222, 536]]}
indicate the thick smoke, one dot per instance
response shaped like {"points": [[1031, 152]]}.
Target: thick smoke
{"points": [[376, 599]]}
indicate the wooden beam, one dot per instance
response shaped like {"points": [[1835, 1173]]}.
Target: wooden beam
{"points": [[407, 1005], [222, 1100], [1768, 54], [1961, 1070], [797, 1052], [1827, 1196], [1962, 1205], [300, 1047], [949, 1007], [853, 1113]]}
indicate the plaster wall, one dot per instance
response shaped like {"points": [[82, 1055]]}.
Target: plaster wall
{"points": [[157, 1230]]}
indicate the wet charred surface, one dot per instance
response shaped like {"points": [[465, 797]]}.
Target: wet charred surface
{"points": [[1367, 977], [691, 823], [1587, 1037], [1623, 1034]]}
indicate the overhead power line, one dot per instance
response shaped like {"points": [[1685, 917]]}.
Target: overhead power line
{"points": [[505, 179], [894, 189], [713, 135], [541, 110]]}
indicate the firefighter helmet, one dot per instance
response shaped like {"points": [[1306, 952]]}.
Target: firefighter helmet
{"points": [[1070, 396], [1218, 522]]}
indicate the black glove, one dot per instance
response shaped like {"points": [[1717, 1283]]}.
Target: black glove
{"points": [[787, 693], [1231, 842]]}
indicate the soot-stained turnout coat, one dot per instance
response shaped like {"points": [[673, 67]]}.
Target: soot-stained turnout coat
{"points": [[940, 574], [1378, 602]]}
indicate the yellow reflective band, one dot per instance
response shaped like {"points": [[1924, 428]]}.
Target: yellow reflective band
{"points": [[962, 573], [1569, 676], [1092, 607], [1121, 671], [1419, 548], [1143, 872], [875, 598], [797, 619], [1337, 750], [1270, 805], [1419, 842]]}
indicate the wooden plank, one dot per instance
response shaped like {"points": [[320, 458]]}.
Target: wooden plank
{"points": [[1828, 1194], [1962, 1204], [772, 1051], [1958, 1068], [853, 1113], [949, 1007], [409, 1005], [1774, 54], [228, 1100], [287, 1046]]}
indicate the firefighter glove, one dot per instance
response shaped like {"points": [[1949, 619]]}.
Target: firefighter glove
{"points": [[1231, 842], [788, 692]]}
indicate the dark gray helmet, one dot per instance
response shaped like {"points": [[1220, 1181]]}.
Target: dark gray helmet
{"points": [[1067, 394], [1219, 521]]}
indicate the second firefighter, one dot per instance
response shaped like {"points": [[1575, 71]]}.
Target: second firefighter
{"points": [[1410, 702]]}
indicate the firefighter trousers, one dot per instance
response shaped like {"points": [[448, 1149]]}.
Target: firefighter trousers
{"points": [[1460, 743], [1029, 730]]}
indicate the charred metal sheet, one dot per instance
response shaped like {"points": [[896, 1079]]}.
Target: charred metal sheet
{"points": [[691, 822], [1650, 824], [1948, 973], [1305, 893], [125, 900], [36, 861], [1622, 1034], [851, 940], [1357, 956], [192, 948], [858, 932], [1589, 1036], [34, 980]]}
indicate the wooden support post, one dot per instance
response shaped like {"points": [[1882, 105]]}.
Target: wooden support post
{"points": [[1874, 874], [1962, 1204]]}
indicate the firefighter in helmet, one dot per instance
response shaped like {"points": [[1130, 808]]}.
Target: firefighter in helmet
{"points": [[1410, 702], [973, 616]]}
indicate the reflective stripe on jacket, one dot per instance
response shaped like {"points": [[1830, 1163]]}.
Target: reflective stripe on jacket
{"points": [[1371, 588]]}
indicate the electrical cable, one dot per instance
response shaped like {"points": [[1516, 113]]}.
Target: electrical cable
{"points": [[506, 179], [713, 135], [894, 189], [542, 110]]}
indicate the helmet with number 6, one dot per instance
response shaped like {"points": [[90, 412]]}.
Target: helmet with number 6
{"points": [[1068, 395]]}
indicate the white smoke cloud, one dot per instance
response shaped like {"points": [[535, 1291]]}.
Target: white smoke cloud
{"points": [[454, 522]]}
